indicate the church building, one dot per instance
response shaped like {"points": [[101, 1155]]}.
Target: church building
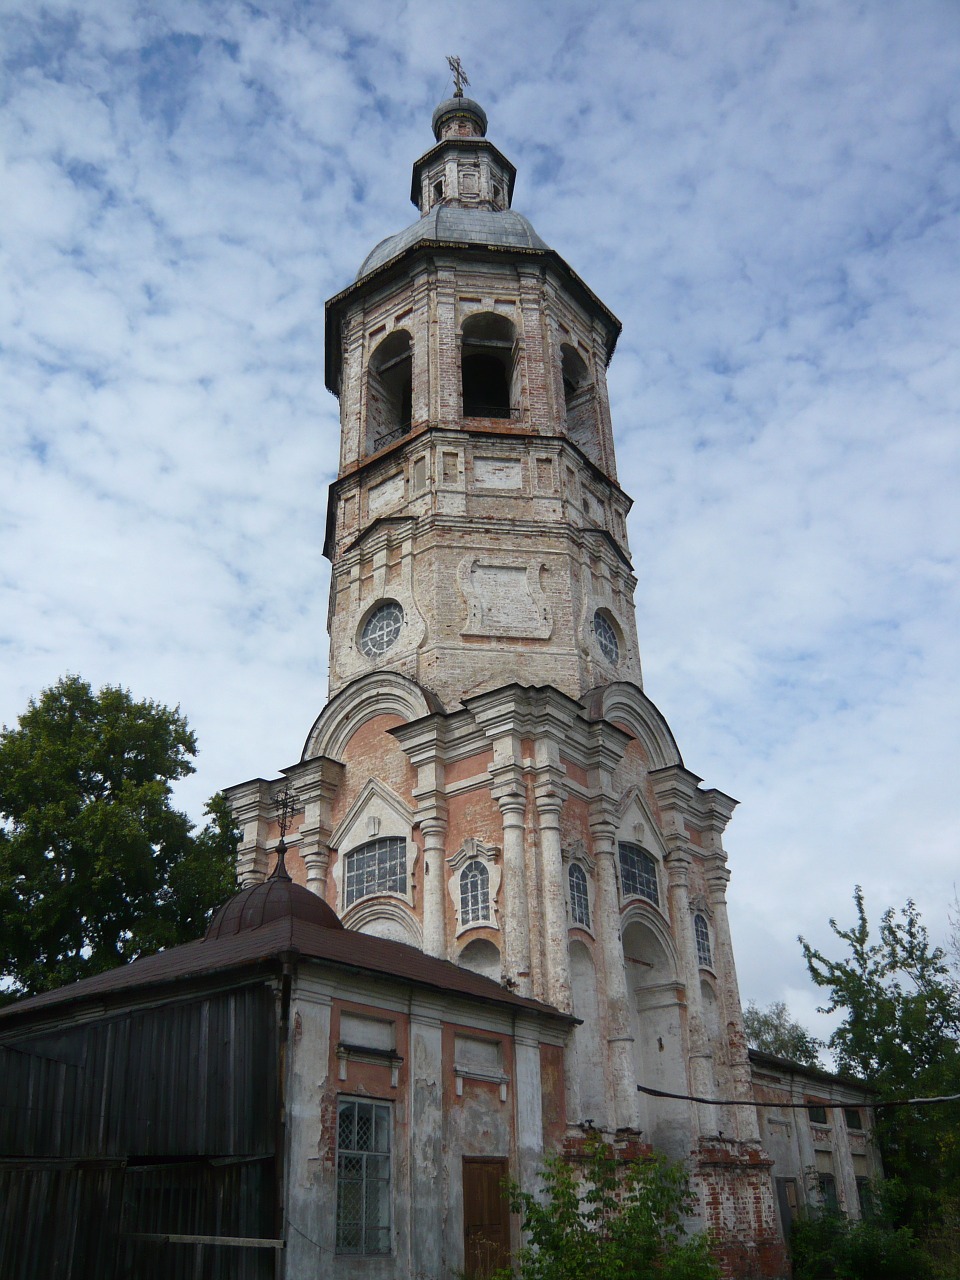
{"points": [[484, 914], [488, 782]]}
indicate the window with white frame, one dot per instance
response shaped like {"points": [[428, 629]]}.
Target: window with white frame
{"points": [[379, 866], [474, 893], [638, 873], [701, 931], [363, 1177], [579, 895]]}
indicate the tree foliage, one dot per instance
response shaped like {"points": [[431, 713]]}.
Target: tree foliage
{"points": [[901, 1033], [772, 1030], [603, 1218], [96, 865]]}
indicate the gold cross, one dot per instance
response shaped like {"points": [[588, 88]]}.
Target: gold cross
{"points": [[459, 78]]}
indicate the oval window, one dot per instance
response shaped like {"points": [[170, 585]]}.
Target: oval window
{"points": [[381, 629], [606, 637]]}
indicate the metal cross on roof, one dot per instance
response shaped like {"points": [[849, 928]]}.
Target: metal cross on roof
{"points": [[459, 77], [286, 805]]}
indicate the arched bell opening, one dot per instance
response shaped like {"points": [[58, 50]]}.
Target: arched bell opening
{"points": [[389, 391], [579, 402], [488, 367]]}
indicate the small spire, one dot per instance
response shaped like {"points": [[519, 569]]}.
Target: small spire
{"points": [[459, 75], [285, 804]]}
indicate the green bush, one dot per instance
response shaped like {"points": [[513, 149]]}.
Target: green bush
{"points": [[601, 1219], [829, 1246]]}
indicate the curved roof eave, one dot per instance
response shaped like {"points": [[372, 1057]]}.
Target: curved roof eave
{"points": [[379, 275]]}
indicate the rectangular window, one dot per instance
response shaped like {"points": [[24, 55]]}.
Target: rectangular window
{"points": [[853, 1117], [363, 1177], [818, 1115]]}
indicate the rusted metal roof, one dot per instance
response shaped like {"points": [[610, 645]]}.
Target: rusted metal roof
{"points": [[276, 941]]}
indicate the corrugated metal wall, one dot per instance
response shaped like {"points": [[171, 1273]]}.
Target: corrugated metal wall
{"points": [[159, 1121]]}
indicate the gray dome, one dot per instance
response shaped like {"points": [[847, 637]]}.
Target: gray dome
{"points": [[459, 107], [502, 228]]}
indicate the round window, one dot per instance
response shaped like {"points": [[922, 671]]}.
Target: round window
{"points": [[606, 637], [381, 629]]}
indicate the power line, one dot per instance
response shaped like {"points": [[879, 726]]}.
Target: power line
{"points": [[798, 1106]]}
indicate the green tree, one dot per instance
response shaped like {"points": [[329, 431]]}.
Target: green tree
{"points": [[901, 1033], [601, 1219], [772, 1030], [96, 865]]}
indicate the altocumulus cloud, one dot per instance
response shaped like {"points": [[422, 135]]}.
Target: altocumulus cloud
{"points": [[767, 195]]}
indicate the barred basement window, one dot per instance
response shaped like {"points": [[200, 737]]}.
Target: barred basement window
{"points": [[379, 866], [638, 873], [579, 896], [381, 629], [363, 1177], [474, 893], [702, 934]]}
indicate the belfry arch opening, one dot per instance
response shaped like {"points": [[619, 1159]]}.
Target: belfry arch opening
{"points": [[488, 366], [579, 402], [389, 391]]}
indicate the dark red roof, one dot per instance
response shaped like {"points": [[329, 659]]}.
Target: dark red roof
{"points": [[273, 941], [274, 899]]}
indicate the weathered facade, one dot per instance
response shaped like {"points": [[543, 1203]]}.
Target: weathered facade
{"points": [[283, 1098], [509, 924], [489, 782]]}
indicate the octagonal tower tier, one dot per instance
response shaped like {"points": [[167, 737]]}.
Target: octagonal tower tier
{"points": [[476, 523]]}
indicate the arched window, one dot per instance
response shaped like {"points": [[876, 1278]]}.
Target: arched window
{"points": [[379, 866], [487, 366], [638, 873], [701, 931], [474, 893], [389, 391], [579, 896], [579, 402]]}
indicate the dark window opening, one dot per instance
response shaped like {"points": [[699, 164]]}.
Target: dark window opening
{"points": [[853, 1117], [438, 191], [818, 1115], [488, 367], [389, 391], [828, 1192], [496, 194], [638, 873]]}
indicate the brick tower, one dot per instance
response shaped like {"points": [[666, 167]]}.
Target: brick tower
{"points": [[489, 782]]}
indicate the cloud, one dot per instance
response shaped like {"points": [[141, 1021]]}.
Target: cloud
{"points": [[766, 195]]}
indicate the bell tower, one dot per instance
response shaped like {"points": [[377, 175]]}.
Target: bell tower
{"points": [[489, 782], [476, 525]]}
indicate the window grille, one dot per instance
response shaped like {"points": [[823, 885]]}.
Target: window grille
{"points": [[474, 893], [702, 934], [363, 1177], [579, 896], [606, 637], [379, 866], [381, 629], [638, 874]]}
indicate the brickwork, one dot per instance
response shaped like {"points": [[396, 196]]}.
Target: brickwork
{"points": [[487, 709]]}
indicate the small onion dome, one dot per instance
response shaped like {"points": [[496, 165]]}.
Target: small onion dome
{"points": [[452, 111], [275, 899]]}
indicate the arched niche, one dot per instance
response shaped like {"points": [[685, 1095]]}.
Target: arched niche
{"points": [[481, 956], [389, 391], [587, 1041], [658, 1031], [488, 366], [579, 402]]}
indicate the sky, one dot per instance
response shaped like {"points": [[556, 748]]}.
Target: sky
{"points": [[765, 193]]}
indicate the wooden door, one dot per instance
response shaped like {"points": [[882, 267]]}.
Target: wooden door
{"points": [[486, 1217]]}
